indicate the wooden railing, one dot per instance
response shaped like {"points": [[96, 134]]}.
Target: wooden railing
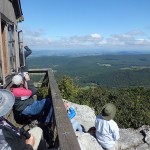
{"points": [[64, 136]]}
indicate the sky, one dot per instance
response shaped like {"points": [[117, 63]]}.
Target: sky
{"points": [[112, 25]]}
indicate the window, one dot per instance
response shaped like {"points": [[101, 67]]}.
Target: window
{"points": [[11, 48]]}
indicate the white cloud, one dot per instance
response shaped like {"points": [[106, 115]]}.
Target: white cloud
{"points": [[95, 35], [136, 33], [130, 40], [35, 33], [103, 42], [142, 42]]}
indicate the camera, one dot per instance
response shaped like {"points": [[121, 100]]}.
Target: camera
{"points": [[23, 74]]}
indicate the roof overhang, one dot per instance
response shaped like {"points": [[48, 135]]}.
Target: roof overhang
{"points": [[18, 11]]}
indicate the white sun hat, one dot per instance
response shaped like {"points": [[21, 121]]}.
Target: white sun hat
{"points": [[17, 80]]}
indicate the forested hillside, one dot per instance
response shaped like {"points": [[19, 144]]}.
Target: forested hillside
{"points": [[103, 70]]}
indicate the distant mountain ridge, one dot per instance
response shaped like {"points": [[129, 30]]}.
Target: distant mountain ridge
{"points": [[78, 53]]}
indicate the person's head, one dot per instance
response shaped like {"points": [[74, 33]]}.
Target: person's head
{"points": [[17, 80], [64, 100], [7, 100], [66, 104], [108, 111]]}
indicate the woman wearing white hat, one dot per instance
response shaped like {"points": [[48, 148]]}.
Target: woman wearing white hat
{"points": [[25, 105]]}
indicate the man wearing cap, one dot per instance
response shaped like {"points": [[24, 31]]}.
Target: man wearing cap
{"points": [[107, 131], [10, 136], [24, 102]]}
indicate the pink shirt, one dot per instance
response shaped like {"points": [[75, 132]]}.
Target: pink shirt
{"points": [[21, 92]]}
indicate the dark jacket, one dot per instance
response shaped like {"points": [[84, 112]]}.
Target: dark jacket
{"points": [[20, 92], [9, 138]]}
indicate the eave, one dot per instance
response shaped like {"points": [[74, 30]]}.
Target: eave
{"points": [[18, 11]]}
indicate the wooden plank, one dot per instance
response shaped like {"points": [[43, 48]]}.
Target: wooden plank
{"points": [[4, 49], [66, 134], [16, 49], [1, 58], [44, 70]]}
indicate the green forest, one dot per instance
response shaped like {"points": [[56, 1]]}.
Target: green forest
{"points": [[103, 70], [133, 104], [97, 80]]}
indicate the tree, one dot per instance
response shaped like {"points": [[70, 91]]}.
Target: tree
{"points": [[67, 88]]}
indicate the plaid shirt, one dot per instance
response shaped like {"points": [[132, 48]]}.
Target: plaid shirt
{"points": [[3, 144]]}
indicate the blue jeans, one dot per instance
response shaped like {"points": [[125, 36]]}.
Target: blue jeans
{"points": [[40, 106]]}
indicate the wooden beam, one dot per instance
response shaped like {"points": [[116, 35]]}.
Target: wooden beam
{"points": [[44, 70]]}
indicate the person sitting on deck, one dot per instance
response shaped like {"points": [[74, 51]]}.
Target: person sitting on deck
{"points": [[107, 131], [71, 114], [24, 102], [11, 138]]}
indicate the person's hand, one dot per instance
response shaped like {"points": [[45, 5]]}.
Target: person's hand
{"points": [[66, 105], [26, 76], [31, 140]]}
